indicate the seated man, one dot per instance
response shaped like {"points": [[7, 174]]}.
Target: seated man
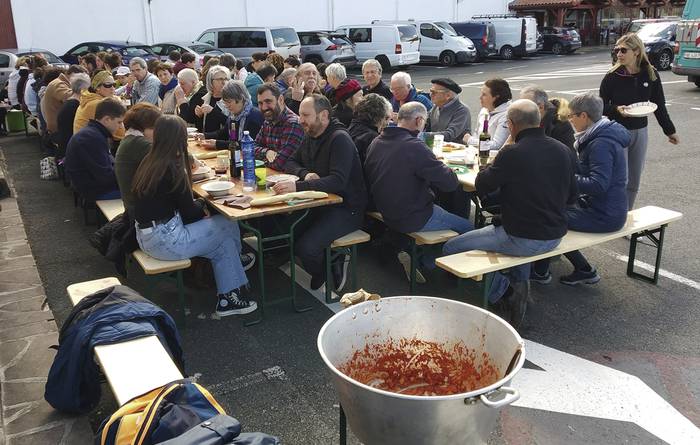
{"points": [[401, 170], [554, 125], [404, 92], [372, 73], [281, 134], [327, 161], [449, 116], [89, 163], [304, 85], [535, 176]]}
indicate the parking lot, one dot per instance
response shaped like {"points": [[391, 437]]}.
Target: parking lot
{"points": [[615, 362]]}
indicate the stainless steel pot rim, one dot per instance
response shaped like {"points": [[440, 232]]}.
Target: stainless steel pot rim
{"points": [[465, 395]]}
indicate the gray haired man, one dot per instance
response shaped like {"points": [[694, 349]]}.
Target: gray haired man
{"points": [[146, 85], [555, 126], [449, 116]]}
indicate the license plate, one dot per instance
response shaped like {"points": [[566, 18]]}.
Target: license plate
{"points": [[689, 55]]}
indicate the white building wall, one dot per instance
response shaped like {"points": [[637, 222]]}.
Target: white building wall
{"points": [[58, 28]]}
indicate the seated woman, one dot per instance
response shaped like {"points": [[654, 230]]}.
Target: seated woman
{"points": [[102, 86], [243, 117], [171, 225], [264, 73], [601, 181], [203, 109], [347, 95], [139, 122], [495, 99], [166, 91], [372, 114], [188, 85], [79, 82]]}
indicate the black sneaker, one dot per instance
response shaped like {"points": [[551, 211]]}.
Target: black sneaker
{"points": [[339, 270], [247, 260], [546, 278], [517, 302], [580, 276], [317, 282], [230, 304]]}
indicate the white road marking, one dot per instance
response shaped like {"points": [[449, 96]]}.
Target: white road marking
{"points": [[696, 109], [572, 385], [675, 81], [264, 376], [649, 268], [594, 70]]}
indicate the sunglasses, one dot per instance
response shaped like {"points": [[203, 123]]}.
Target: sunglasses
{"points": [[107, 85], [620, 50]]}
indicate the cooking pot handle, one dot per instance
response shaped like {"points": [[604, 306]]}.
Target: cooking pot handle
{"points": [[512, 395]]}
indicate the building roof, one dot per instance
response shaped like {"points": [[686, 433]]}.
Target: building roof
{"points": [[531, 4]]}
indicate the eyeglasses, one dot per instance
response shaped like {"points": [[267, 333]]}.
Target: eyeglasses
{"points": [[573, 115], [221, 79], [437, 91], [620, 49], [107, 85]]}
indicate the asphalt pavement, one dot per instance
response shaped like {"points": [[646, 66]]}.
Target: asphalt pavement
{"points": [[271, 377]]}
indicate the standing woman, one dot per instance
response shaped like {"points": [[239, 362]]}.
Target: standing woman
{"points": [[171, 225], [633, 79]]}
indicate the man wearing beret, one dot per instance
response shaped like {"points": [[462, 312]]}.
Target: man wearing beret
{"points": [[449, 117]]}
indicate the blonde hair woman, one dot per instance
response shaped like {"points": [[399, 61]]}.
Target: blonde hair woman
{"points": [[633, 79]]}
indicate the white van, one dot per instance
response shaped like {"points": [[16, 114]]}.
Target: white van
{"points": [[390, 44], [515, 36], [243, 42], [439, 42]]}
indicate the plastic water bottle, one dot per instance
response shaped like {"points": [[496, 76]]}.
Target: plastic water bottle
{"points": [[248, 149]]}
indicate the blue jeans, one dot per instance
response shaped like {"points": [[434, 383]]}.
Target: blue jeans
{"points": [[495, 239], [113, 194], [441, 219], [216, 238]]}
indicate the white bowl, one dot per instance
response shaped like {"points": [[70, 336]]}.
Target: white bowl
{"points": [[218, 188], [200, 173]]}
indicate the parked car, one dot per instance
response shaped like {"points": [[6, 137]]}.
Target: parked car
{"points": [[439, 42], [243, 42], [540, 42], [199, 49], [128, 50], [515, 36], [326, 47], [687, 61], [391, 45], [636, 25], [483, 35], [659, 40], [560, 40], [8, 59]]}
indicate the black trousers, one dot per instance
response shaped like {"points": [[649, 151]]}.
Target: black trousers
{"points": [[323, 226]]}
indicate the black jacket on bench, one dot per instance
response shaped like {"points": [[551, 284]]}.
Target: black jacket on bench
{"points": [[112, 315], [536, 179]]}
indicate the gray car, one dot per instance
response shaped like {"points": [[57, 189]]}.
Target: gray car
{"points": [[8, 58], [326, 47], [199, 49]]}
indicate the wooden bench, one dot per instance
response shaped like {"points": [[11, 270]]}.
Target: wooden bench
{"points": [[152, 267], [345, 245], [132, 367], [649, 222], [420, 239]]}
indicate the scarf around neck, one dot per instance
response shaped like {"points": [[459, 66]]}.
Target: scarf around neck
{"points": [[581, 136], [162, 89]]}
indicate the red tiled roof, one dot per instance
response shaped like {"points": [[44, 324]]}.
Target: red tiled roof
{"points": [[529, 4]]}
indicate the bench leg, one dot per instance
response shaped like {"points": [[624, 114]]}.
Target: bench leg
{"points": [[293, 268], [414, 265], [260, 254], [329, 275], [343, 427], [658, 243], [181, 295], [486, 288], [353, 266]]}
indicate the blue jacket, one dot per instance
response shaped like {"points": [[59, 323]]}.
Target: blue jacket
{"points": [[413, 96], [111, 315], [88, 162], [252, 83], [602, 171]]}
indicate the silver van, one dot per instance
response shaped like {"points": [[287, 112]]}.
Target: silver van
{"points": [[243, 42]]}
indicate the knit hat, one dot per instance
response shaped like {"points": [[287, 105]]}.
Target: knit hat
{"points": [[347, 89], [100, 78]]}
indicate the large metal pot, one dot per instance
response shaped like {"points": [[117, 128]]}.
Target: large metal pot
{"points": [[380, 417]]}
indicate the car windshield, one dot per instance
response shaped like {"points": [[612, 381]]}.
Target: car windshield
{"points": [[447, 28], [339, 40], [284, 37], [137, 51], [655, 30], [201, 48], [48, 56], [408, 33]]}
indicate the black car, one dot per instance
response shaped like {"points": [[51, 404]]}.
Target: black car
{"points": [[659, 39], [482, 34], [128, 50], [560, 40]]}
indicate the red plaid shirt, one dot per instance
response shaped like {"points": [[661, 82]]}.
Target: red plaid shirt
{"points": [[283, 136]]}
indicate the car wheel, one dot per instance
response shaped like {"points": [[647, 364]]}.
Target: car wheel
{"points": [[557, 48], [384, 62], [664, 61], [697, 83], [507, 52], [447, 58]]}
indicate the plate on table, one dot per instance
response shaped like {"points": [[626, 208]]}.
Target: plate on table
{"points": [[200, 173], [274, 179], [452, 146], [641, 109]]}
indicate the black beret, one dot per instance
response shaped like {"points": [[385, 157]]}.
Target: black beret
{"points": [[447, 83]]}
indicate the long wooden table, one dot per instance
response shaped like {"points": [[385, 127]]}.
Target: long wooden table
{"points": [[244, 215]]}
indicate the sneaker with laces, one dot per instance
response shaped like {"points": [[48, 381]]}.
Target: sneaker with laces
{"points": [[231, 303], [580, 276], [339, 270], [405, 260], [546, 278], [247, 260]]}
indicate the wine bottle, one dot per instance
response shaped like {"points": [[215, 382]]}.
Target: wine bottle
{"points": [[484, 148], [235, 152]]}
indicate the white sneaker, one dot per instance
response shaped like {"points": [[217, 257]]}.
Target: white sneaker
{"points": [[405, 260]]}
